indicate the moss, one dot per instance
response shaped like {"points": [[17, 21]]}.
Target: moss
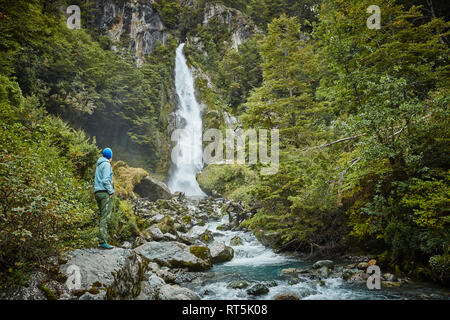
{"points": [[231, 181], [94, 290], [125, 178], [201, 252], [167, 225], [48, 293]]}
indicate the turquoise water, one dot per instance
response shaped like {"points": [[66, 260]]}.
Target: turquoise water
{"points": [[255, 263]]}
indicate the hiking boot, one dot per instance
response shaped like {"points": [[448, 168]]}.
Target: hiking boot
{"points": [[104, 245]]}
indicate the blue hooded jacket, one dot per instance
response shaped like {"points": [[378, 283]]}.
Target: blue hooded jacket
{"points": [[103, 176]]}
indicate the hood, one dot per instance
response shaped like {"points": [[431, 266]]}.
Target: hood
{"points": [[101, 160]]}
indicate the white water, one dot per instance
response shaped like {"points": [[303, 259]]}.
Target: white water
{"points": [[187, 154], [256, 263]]}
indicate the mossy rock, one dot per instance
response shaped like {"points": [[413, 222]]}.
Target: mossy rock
{"points": [[201, 252], [48, 293]]}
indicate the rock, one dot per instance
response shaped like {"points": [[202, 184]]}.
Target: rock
{"points": [[236, 241], [257, 290], [30, 292], [291, 271], [287, 296], [126, 245], [154, 233], [118, 271], [202, 252], [150, 287], [220, 252], [391, 284], [200, 233], [323, 272], [175, 292], [137, 21], [138, 242], [157, 218], [169, 237], [359, 276], [348, 273], [270, 284], [323, 263], [238, 284], [223, 227], [172, 254], [90, 296], [389, 277], [362, 265], [152, 189]]}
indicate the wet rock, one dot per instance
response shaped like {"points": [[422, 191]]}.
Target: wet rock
{"points": [[220, 252], [287, 296], [175, 292], [323, 272], [291, 271], [389, 277], [391, 284], [238, 284], [172, 254], [323, 263], [236, 241], [152, 189], [257, 290]]}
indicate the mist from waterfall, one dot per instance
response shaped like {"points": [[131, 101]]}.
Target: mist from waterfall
{"points": [[187, 156]]}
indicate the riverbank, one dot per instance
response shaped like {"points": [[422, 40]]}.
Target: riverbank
{"points": [[193, 250]]}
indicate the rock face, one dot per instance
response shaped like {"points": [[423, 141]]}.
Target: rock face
{"points": [[118, 272], [220, 252], [237, 23], [134, 23], [152, 189], [172, 254]]}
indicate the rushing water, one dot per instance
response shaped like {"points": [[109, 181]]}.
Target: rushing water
{"points": [[187, 154], [254, 262]]}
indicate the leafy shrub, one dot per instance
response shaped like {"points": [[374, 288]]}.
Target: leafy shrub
{"points": [[441, 266], [230, 181]]}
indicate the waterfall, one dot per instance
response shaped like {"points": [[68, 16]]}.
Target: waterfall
{"points": [[187, 154]]}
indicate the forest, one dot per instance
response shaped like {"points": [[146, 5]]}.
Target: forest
{"points": [[362, 113]]}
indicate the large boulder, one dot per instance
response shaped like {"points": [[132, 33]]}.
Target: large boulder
{"points": [[200, 233], [172, 254], [118, 272], [220, 252], [257, 289], [323, 263], [175, 292], [152, 189]]}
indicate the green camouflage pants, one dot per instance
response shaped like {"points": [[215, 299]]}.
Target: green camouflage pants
{"points": [[105, 204]]}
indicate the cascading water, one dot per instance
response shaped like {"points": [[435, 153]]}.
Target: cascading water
{"points": [[187, 155]]}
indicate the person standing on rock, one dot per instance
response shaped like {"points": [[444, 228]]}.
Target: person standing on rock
{"points": [[104, 194]]}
